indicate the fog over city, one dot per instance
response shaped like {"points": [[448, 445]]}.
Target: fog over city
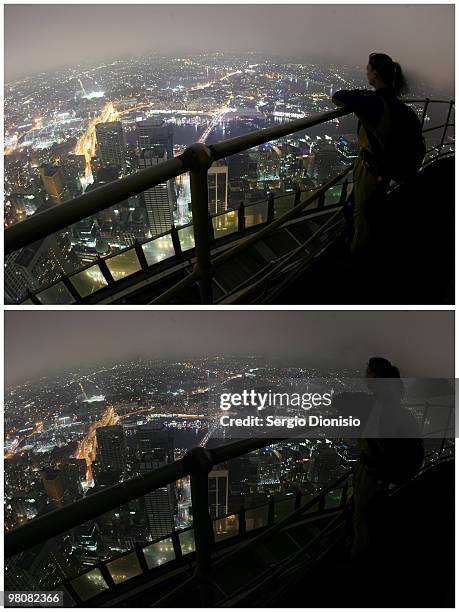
{"points": [[420, 343], [45, 37]]}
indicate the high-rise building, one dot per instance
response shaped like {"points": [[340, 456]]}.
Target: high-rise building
{"points": [[218, 493], [155, 446], [155, 131], [159, 200], [111, 448], [54, 485], [217, 181], [110, 143], [54, 183]]}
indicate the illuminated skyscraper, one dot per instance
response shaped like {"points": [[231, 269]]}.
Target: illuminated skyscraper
{"points": [[110, 143], [111, 448], [54, 183], [54, 485], [218, 493], [156, 448], [155, 131], [159, 200], [217, 181]]}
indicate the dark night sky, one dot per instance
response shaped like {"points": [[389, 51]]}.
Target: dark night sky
{"points": [[419, 342], [420, 37]]}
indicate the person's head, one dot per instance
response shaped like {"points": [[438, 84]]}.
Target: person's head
{"points": [[382, 71], [379, 367]]}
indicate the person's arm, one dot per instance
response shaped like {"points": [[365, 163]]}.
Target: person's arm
{"points": [[362, 102]]}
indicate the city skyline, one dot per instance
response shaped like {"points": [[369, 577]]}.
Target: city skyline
{"points": [[315, 32], [324, 338]]}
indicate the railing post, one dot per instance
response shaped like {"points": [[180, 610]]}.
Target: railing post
{"points": [[343, 194], [241, 218], [70, 288], [199, 158], [321, 201], [176, 241], [201, 463], [297, 499], [105, 271], [242, 522], [271, 511], [176, 544], [424, 112], [211, 229], [103, 569], [297, 199], [270, 215], [141, 558], [32, 297], [343, 500], [446, 127], [140, 255]]}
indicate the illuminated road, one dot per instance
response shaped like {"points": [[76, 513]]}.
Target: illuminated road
{"points": [[87, 449], [87, 142], [216, 118], [18, 442]]}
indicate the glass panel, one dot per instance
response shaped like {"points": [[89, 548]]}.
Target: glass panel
{"points": [[255, 518], [256, 214], [28, 301], [186, 237], [89, 585], [283, 508], [123, 265], [283, 204], [159, 553], [186, 539], [227, 527], [124, 568], [225, 224], [88, 281], [332, 195], [57, 294], [332, 499], [158, 249]]}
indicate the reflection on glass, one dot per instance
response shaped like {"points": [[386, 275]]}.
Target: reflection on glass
{"points": [[88, 281], [186, 539], [225, 224], [124, 568], [227, 527], [57, 294], [123, 265], [27, 301], [256, 214], [333, 195], [158, 249], [283, 204], [186, 237], [159, 553], [89, 585], [255, 518], [284, 507], [333, 499]]}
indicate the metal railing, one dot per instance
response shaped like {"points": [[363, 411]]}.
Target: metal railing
{"points": [[196, 160], [201, 539]]}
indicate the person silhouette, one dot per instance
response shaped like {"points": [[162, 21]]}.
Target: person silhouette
{"points": [[390, 453], [362, 209]]}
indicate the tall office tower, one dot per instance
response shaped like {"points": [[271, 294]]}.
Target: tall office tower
{"points": [[324, 162], [159, 504], [54, 183], [38, 265], [155, 448], [218, 493], [110, 143], [155, 131], [152, 437], [111, 448], [75, 474], [217, 181], [159, 201], [54, 485]]}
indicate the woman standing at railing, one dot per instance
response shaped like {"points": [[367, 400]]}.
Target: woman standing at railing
{"points": [[375, 164]]}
